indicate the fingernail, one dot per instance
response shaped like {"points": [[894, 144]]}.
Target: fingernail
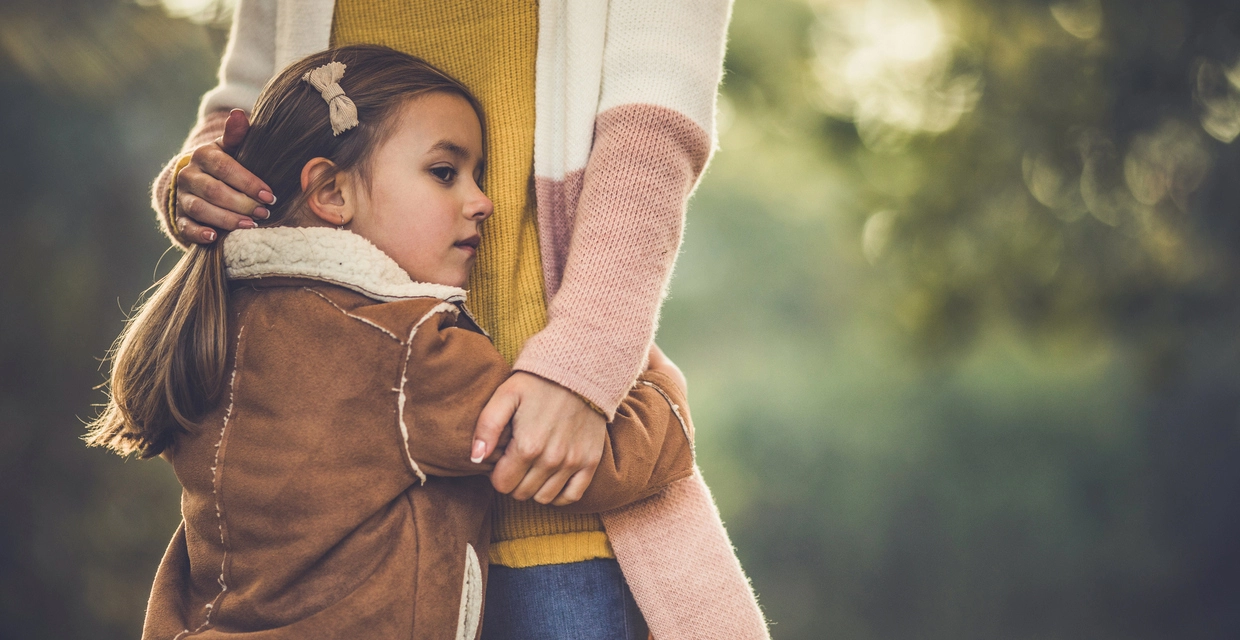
{"points": [[246, 223], [209, 235], [479, 452], [267, 196], [262, 212]]}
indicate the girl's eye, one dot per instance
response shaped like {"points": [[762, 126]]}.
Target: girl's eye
{"points": [[445, 174]]}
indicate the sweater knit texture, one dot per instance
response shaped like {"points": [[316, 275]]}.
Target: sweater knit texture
{"points": [[506, 286], [506, 289]]}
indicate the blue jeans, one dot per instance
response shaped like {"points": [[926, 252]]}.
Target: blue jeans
{"points": [[574, 601]]}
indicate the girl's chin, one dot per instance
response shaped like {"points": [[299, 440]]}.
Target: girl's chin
{"points": [[451, 276], [453, 280], [459, 279]]}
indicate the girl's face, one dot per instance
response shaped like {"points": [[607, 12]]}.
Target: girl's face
{"points": [[424, 207]]}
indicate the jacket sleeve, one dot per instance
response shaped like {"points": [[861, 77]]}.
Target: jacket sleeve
{"points": [[448, 375], [654, 132], [649, 445], [248, 64]]}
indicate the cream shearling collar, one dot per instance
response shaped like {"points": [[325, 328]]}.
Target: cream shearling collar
{"points": [[332, 255]]}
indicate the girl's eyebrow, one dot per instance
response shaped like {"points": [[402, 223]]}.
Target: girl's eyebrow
{"points": [[452, 148]]}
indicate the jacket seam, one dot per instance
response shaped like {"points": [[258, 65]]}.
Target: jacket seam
{"points": [[675, 411], [217, 486], [417, 553], [358, 318], [404, 377]]}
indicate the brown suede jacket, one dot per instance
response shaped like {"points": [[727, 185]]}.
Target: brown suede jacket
{"points": [[330, 495]]}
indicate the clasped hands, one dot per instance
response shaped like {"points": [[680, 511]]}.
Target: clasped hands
{"points": [[556, 438]]}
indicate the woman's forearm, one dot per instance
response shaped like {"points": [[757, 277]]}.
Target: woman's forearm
{"points": [[164, 188], [630, 217], [608, 258]]}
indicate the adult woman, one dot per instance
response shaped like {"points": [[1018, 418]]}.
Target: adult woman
{"points": [[606, 112]]}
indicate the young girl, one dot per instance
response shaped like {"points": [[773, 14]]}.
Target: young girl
{"points": [[316, 383]]}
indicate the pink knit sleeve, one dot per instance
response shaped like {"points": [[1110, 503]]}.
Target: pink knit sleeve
{"points": [[625, 234], [163, 190]]}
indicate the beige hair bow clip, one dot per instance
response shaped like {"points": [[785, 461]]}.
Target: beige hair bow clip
{"points": [[327, 80]]}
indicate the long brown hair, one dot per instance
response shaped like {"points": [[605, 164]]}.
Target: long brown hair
{"points": [[168, 365]]}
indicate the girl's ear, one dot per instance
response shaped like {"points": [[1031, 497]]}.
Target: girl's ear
{"points": [[334, 201]]}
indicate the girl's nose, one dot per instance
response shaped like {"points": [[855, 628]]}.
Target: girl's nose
{"points": [[481, 207]]}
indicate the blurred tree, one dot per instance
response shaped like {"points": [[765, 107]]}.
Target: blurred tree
{"points": [[95, 97], [1039, 198], [1063, 166]]}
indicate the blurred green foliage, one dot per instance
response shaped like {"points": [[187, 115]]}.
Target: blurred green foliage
{"points": [[956, 303]]}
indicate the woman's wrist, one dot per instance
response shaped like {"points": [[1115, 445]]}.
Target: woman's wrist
{"points": [[174, 227], [589, 404]]}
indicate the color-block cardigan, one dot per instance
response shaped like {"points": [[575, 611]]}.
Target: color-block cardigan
{"points": [[625, 111]]}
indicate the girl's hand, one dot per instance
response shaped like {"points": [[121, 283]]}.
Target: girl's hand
{"points": [[557, 440], [214, 192]]}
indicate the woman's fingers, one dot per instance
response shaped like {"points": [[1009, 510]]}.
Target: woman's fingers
{"points": [[538, 476], [191, 208], [493, 421], [575, 488], [194, 182], [554, 435], [194, 232], [553, 486], [215, 193], [211, 160], [235, 128]]}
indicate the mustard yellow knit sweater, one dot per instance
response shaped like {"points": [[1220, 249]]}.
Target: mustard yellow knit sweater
{"points": [[491, 46]]}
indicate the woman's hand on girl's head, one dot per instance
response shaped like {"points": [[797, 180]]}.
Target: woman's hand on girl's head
{"points": [[215, 193]]}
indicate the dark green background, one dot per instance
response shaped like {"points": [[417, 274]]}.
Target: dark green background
{"points": [[968, 377]]}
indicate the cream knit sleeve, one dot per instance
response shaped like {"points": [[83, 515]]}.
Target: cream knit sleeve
{"points": [[249, 59], [247, 65]]}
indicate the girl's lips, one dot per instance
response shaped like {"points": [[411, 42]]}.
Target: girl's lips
{"points": [[469, 244]]}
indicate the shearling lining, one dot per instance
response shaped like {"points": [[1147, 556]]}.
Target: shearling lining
{"points": [[331, 255]]}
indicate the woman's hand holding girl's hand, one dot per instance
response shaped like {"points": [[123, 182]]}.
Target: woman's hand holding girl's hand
{"points": [[214, 192], [557, 440]]}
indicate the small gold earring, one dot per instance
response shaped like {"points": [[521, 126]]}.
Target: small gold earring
{"points": [[341, 227]]}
